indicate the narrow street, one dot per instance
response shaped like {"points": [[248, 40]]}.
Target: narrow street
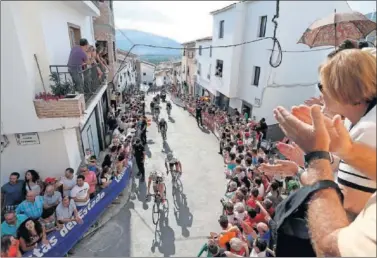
{"points": [[180, 233]]}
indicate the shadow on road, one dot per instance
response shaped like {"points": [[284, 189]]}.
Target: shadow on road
{"points": [[182, 213], [171, 120], [150, 142], [148, 151], [164, 236], [166, 147], [204, 130]]}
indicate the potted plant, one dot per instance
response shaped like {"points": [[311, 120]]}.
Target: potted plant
{"points": [[60, 89]]}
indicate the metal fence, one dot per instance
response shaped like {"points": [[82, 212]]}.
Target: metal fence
{"points": [[71, 80]]}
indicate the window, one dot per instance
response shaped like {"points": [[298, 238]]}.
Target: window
{"points": [[209, 72], [219, 68], [256, 75], [184, 52], [262, 26], [199, 68], [188, 71], [74, 34], [144, 74], [221, 29], [200, 50], [183, 70], [121, 77], [210, 51]]}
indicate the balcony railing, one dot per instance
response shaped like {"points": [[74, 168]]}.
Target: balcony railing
{"points": [[96, 3], [72, 80]]}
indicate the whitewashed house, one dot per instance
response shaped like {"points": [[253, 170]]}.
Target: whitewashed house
{"points": [[188, 75], [126, 65], [177, 70], [203, 68], [243, 77], [51, 135], [147, 73]]}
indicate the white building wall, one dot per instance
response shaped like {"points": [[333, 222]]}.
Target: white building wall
{"points": [[54, 18], [294, 80], [56, 152], [223, 84], [148, 69], [205, 62], [38, 28], [127, 76]]}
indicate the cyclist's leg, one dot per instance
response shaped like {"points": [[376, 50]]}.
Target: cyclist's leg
{"points": [[171, 167], [178, 167], [161, 190]]}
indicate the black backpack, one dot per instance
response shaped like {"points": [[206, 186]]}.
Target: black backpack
{"points": [[293, 238]]}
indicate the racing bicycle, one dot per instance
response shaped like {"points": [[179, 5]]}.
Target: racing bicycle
{"points": [[156, 206]]}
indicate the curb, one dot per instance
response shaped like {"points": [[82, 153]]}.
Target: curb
{"points": [[112, 210]]}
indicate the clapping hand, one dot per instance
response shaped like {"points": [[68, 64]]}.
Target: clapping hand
{"points": [[285, 167], [314, 101], [292, 152], [340, 140], [309, 137]]}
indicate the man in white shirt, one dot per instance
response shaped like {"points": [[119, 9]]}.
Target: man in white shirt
{"points": [[80, 192]]}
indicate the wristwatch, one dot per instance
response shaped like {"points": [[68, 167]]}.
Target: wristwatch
{"points": [[315, 155]]}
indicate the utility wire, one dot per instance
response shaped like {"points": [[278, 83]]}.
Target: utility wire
{"points": [[279, 58]]}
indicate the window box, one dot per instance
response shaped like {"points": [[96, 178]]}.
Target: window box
{"points": [[69, 106]]}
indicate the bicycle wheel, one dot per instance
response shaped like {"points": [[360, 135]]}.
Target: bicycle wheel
{"points": [[156, 212]]}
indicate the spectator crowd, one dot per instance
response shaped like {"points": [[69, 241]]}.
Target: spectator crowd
{"points": [[32, 208], [313, 193]]}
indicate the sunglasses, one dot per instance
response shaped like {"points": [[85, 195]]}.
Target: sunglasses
{"points": [[320, 87]]}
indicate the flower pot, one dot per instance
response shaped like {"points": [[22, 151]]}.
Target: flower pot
{"points": [[71, 105]]}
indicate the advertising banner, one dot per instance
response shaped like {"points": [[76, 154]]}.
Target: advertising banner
{"points": [[61, 241]]}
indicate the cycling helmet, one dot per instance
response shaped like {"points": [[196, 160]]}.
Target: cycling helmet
{"points": [[170, 156]]}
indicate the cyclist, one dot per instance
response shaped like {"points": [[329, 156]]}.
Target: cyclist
{"points": [[168, 107], [158, 184], [152, 104], [173, 162], [162, 126], [156, 110], [163, 95]]}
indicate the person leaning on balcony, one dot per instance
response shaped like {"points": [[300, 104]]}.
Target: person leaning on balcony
{"points": [[331, 232], [77, 59], [348, 86], [99, 59], [92, 61]]}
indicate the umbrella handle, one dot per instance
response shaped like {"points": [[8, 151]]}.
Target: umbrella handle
{"points": [[335, 29]]}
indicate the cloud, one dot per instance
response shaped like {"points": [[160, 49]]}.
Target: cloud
{"points": [[136, 11], [179, 20]]}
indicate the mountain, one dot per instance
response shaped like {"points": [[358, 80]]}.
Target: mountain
{"points": [[141, 37]]}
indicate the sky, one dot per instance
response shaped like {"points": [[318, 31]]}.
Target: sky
{"points": [[182, 20]]}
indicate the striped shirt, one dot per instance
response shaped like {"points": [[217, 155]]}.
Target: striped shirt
{"points": [[31, 209], [364, 131]]}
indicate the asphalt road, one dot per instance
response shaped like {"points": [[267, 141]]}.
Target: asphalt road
{"points": [[188, 217]]}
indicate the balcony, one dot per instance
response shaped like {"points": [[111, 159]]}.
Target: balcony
{"points": [[72, 88], [96, 3], [88, 8]]}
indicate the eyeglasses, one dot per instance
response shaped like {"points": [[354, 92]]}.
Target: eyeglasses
{"points": [[320, 87]]}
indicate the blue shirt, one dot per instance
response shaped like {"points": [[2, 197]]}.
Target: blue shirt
{"points": [[7, 229], [31, 209]]}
